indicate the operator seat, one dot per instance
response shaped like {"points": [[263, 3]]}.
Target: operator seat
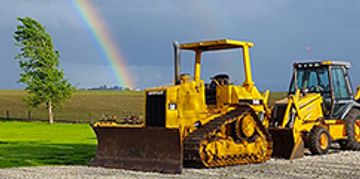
{"points": [[222, 79]]}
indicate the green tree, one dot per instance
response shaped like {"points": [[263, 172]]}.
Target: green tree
{"points": [[39, 62]]}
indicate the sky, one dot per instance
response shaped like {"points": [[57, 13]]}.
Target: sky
{"points": [[283, 32]]}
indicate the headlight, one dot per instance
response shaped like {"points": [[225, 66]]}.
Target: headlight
{"points": [[172, 106]]}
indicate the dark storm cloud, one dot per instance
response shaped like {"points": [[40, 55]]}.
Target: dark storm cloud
{"points": [[282, 31]]}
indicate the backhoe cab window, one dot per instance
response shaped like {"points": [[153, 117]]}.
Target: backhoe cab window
{"points": [[313, 80], [340, 85]]}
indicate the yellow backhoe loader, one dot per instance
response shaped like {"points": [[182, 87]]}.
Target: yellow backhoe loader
{"points": [[192, 123], [320, 109]]}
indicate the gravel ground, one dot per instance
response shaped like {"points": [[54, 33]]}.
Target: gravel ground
{"points": [[344, 164]]}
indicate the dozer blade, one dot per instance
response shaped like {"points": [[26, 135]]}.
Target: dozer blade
{"points": [[144, 149], [284, 144]]}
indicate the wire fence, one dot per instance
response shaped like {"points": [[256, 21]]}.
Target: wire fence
{"points": [[60, 117]]}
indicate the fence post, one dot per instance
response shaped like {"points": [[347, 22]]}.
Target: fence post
{"points": [[90, 118], [7, 114], [29, 115]]}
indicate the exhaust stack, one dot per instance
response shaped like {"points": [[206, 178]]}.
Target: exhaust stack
{"points": [[176, 62]]}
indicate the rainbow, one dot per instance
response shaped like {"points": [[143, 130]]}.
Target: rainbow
{"points": [[98, 28]]}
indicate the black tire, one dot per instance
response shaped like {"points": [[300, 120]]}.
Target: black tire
{"points": [[351, 143], [314, 140], [343, 144], [306, 140]]}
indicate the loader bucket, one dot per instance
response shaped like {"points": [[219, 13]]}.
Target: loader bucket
{"points": [[144, 149], [284, 144]]}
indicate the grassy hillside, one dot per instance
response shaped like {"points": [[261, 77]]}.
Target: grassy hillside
{"points": [[276, 96], [39, 143], [84, 106]]}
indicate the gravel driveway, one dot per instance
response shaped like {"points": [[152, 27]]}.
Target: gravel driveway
{"points": [[344, 164]]}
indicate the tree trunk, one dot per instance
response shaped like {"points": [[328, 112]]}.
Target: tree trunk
{"points": [[50, 112]]}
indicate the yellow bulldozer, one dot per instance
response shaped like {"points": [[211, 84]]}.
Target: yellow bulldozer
{"points": [[192, 123], [320, 109]]}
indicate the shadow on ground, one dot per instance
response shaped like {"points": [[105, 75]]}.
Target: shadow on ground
{"points": [[13, 154]]}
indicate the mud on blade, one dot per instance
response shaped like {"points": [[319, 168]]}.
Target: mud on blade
{"points": [[144, 149]]}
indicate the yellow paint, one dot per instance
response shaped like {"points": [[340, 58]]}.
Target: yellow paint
{"points": [[197, 68], [327, 62], [324, 141], [357, 95], [248, 126], [190, 94], [336, 129], [248, 75], [302, 113], [215, 45]]}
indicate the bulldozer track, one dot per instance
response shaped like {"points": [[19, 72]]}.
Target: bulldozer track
{"points": [[207, 133]]}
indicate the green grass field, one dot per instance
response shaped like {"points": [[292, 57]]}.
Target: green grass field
{"points": [[39, 143]]}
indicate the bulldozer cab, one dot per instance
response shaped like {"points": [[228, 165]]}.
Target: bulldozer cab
{"points": [[212, 90], [206, 46], [328, 78]]}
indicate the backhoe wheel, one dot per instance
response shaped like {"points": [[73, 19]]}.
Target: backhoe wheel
{"points": [[319, 140], [352, 128]]}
